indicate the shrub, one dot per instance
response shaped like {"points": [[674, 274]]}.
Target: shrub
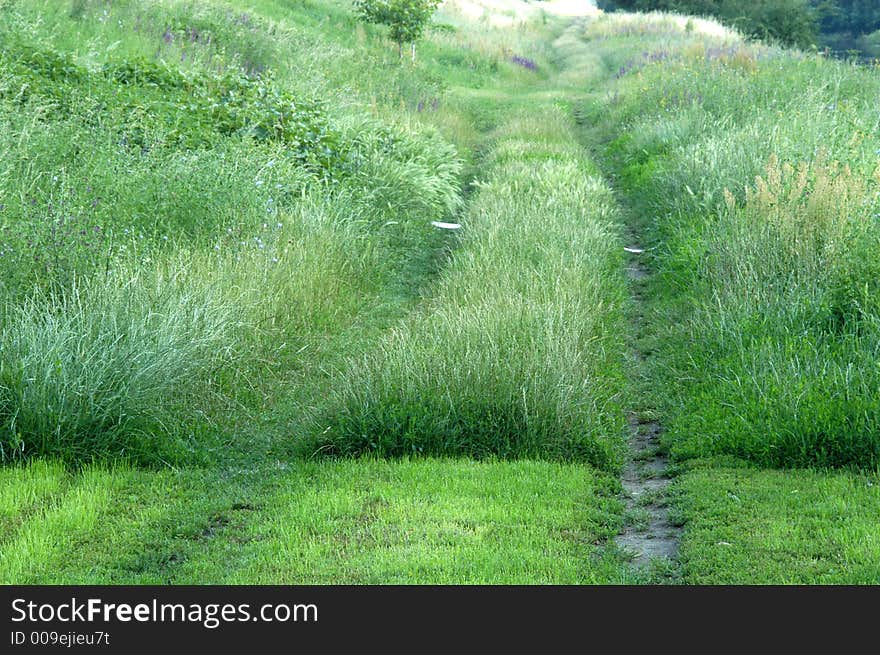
{"points": [[153, 104]]}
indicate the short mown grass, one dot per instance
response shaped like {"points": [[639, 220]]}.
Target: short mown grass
{"points": [[748, 526], [428, 522], [356, 521]]}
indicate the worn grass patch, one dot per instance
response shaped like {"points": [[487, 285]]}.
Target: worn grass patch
{"points": [[427, 522]]}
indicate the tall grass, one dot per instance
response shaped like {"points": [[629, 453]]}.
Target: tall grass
{"points": [[115, 363], [755, 170], [518, 352], [91, 371], [182, 224]]}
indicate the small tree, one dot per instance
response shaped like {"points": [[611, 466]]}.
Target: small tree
{"points": [[406, 18]]}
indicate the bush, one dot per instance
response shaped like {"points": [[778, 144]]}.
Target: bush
{"points": [[407, 19], [151, 104]]}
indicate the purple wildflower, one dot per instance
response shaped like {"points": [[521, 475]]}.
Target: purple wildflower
{"points": [[525, 62]]}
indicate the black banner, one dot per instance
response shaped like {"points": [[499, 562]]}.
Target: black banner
{"points": [[131, 619]]}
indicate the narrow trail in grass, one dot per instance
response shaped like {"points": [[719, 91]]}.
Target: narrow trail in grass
{"points": [[649, 534]]}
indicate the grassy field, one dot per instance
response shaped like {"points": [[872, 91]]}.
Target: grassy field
{"points": [[234, 348], [756, 172], [518, 351], [747, 526], [247, 257]]}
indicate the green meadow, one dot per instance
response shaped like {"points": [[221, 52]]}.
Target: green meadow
{"points": [[236, 348]]}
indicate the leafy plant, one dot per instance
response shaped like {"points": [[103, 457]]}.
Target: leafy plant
{"points": [[152, 103]]}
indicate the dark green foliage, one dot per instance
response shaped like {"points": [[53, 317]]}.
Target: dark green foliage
{"points": [[153, 104], [852, 16], [850, 26]]}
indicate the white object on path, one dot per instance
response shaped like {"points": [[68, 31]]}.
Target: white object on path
{"points": [[445, 226], [635, 251]]}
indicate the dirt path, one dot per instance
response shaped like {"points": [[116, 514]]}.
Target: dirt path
{"points": [[649, 535]]}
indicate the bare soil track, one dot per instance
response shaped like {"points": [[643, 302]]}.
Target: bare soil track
{"points": [[649, 535]]}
